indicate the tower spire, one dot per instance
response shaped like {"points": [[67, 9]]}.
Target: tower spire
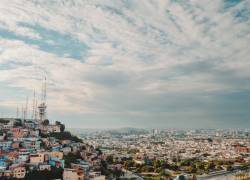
{"points": [[45, 89]]}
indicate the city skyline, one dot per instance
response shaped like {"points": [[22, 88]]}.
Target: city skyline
{"points": [[112, 64]]}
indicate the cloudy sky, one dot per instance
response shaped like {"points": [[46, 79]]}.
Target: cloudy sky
{"points": [[133, 63]]}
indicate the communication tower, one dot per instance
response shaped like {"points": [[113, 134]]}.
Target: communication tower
{"points": [[43, 106]]}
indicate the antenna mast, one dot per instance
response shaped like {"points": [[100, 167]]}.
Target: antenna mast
{"points": [[26, 108], [33, 105], [36, 109], [45, 89], [22, 112], [17, 112]]}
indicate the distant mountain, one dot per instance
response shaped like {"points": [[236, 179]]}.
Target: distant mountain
{"points": [[118, 131], [129, 130]]}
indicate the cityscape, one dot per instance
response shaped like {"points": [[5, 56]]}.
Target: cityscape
{"points": [[34, 148], [37, 149], [124, 90]]}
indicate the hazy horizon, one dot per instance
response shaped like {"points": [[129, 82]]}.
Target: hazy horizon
{"points": [[128, 63]]}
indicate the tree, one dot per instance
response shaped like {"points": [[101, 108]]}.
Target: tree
{"points": [[57, 173], [229, 167], [117, 173], [104, 168], [62, 127], [99, 152], [18, 122], [110, 159], [194, 169], [45, 122], [210, 166], [128, 164], [70, 158], [156, 164], [4, 121], [65, 136], [38, 175], [210, 140], [200, 166]]}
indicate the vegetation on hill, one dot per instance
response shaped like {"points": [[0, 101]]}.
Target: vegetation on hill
{"points": [[69, 158], [62, 126], [63, 136], [55, 173], [4, 121]]}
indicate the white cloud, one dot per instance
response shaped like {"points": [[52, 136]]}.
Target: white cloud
{"points": [[134, 48]]}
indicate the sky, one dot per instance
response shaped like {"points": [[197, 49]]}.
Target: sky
{"points": [[128, 63]]}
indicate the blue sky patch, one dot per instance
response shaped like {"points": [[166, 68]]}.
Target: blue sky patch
{"points": [[243, 14], [231, 3], [63, 45]]}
